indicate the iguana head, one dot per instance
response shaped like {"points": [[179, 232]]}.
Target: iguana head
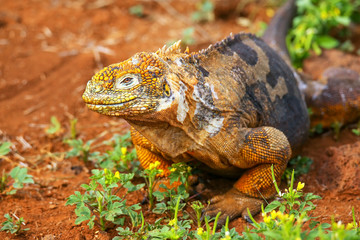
{"points": [[135, 86]]}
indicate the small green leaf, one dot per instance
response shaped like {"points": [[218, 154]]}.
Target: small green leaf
{"points": [[273, 205], [83, 214], [5, 148], [160, 208], [327, 42]]}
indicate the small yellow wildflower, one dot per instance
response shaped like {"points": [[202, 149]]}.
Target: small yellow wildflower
{"points": [[172, 222], [189, 168], [106, 171], [151, 166], [117, 175], [273, 214], [349, 226], [337, 12], [123, 151], [267, 219], [154, 165], [279, 215], [324, 15], [172, 169], [300, 186], [200, 231]]}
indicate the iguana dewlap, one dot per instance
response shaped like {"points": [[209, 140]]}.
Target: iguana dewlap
{"points": [[235, 107]]}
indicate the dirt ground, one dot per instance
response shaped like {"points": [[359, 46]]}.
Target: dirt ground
{"points": [[50, 49]]}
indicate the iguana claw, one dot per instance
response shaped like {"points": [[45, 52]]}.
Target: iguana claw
{"points": [[233, 204]]}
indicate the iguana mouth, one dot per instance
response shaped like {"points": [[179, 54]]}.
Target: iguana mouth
{"points": [[109, 106]]}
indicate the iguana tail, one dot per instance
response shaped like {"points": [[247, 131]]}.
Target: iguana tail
{"points": [[335, 97], [275, 34]]}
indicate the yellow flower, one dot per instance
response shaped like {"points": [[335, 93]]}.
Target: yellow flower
{"points": [[117, 175], [172, 222], [280, 215], [267, 219], [151, 166], [324, 15], [123, 151], [337, 11], [106, 171], [154, 165], [349, 226], [273, 214], [172, 169], [300, 186], [200, 231]]}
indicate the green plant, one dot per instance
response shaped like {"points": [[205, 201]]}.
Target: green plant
{"points": [[19, 177], [100, 204], [300, 165], [54, 128], [293, 212], [80, 149], [317, 129], [291, 199], [198, 207], [311, 28], [187, 38], [13, 225], [5, 148], [150, 177], [205, 11], [119, 157], [209, 232], [175, 229], [356, 131], [167, 199], [336, 126], [137, 10]]}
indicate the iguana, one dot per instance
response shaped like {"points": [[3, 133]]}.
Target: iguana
{"points": [[235, 107]]}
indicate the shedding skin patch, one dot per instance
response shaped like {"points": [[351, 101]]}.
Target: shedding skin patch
{"points": [[206, 115], [183, 107]]}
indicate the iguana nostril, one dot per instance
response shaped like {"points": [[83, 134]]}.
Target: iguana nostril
{"points": [[98, 89]]}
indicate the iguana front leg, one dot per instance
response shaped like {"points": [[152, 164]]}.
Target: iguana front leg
{"points": [[263, 147], [148, 153]]}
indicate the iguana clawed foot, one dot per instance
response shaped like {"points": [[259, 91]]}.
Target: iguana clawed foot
{"points": [[233, 204]]}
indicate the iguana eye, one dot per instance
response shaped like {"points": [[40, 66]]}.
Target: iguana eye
{"points": [[127, 81]]}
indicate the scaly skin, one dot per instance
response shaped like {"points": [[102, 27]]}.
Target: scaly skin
{"points": [[227, 107], [235, 107]]}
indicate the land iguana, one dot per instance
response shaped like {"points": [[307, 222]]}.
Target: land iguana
{"points": [[236, 107]]}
